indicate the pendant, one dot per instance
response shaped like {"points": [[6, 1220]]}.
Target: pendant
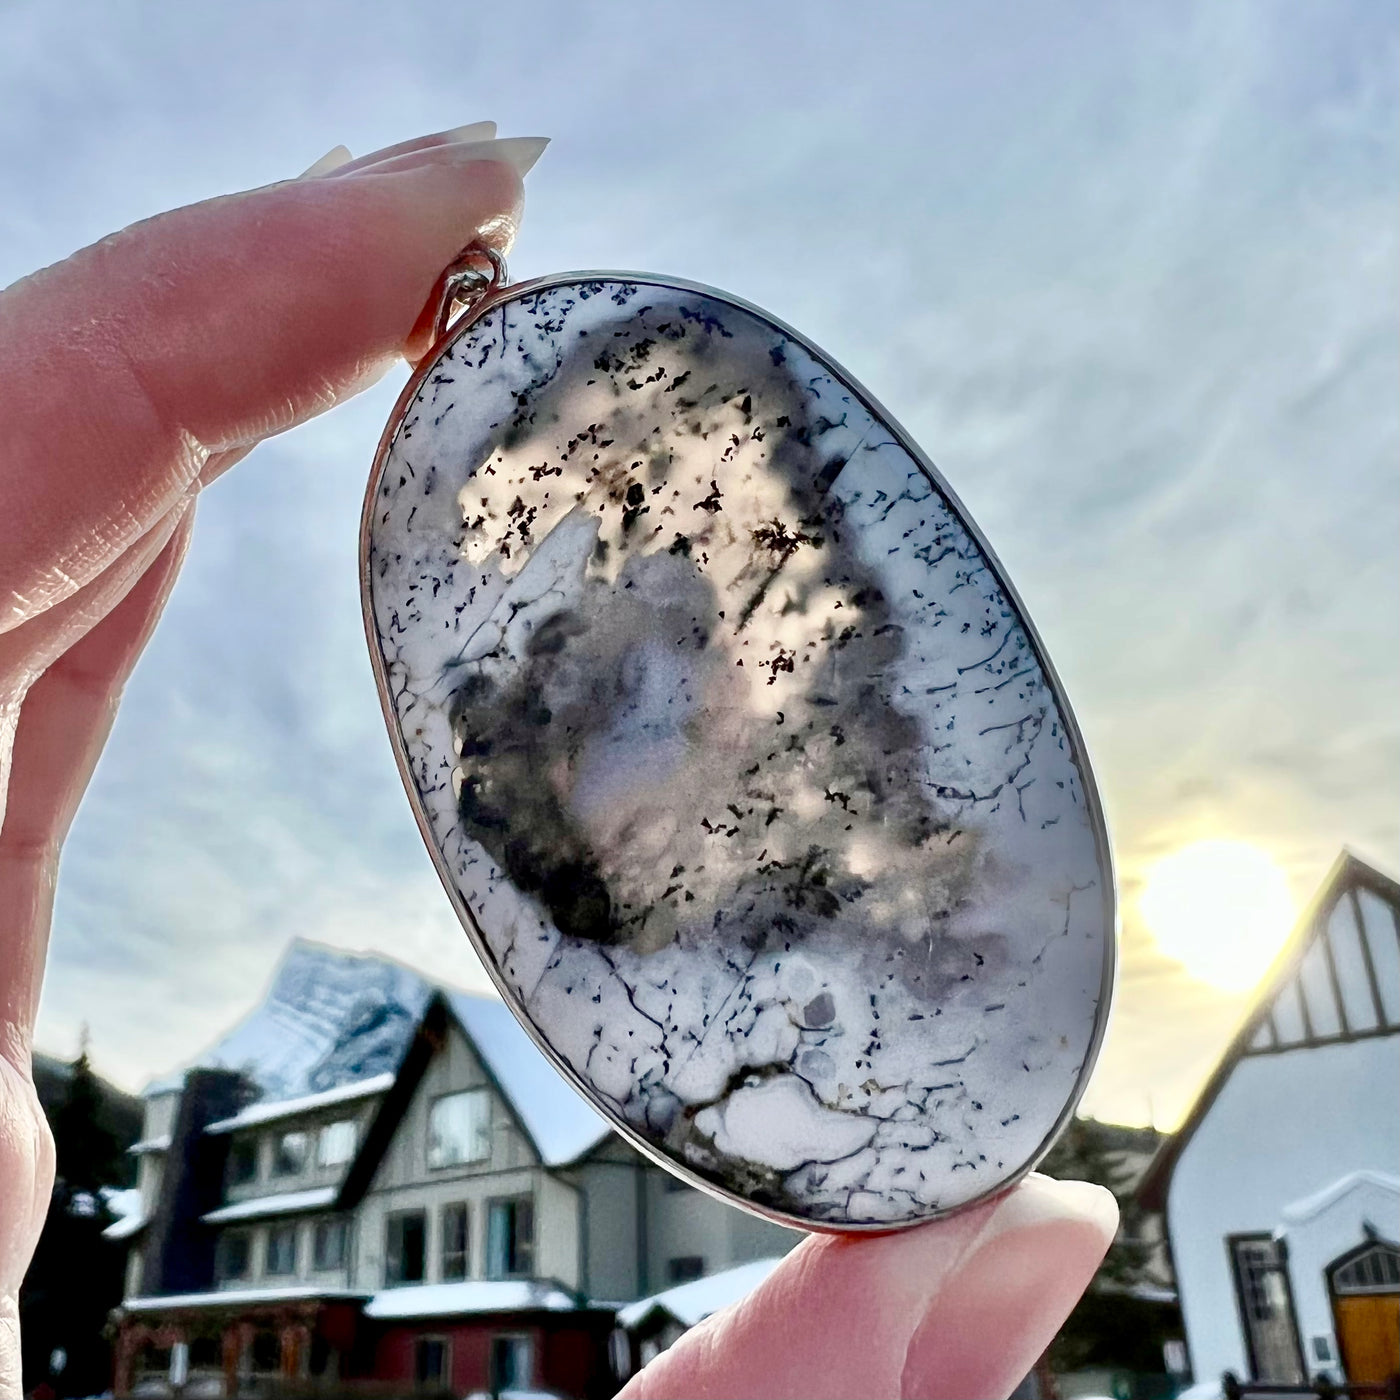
{"points": [[738, 757]]}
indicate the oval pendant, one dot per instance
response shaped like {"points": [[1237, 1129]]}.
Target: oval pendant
{"points": [[739, 760]]}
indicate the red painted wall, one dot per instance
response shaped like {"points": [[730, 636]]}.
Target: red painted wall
{"points": [[570, 1350]]}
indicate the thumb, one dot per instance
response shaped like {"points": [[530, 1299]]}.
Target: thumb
{"points": [[959, 1308]]}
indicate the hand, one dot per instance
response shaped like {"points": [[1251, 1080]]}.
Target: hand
{"points": [[133, 374]]}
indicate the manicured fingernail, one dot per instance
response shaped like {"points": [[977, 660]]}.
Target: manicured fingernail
{"points": [[332, 160], [519, 152], [1031, 1261], [473, 131]]}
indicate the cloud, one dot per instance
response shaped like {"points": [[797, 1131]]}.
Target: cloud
{"points": [[1128, 274]]}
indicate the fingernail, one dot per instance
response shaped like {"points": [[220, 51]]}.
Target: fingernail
{"points": [[1017, 1281], [332, 160], [519, 152], [473, 131]]}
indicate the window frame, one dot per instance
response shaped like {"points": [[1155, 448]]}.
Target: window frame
{"points": [[277, 1173], [479, 1092], [326, 1223], [289, 1230], [444, 1214], [443, 1380], [498, 1382], [515, 1200], [352, 1127], [397, 1217], [1232, 1243], [239, 1144], [1339, 1289], [226, 1237], [676, 1276]]}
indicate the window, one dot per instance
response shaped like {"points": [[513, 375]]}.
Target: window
{"points": [[454, 1241], [282, 1250], [335, 1143], [1266, 1309], [685, 1268], [242, 1161], [289, 1156], [1375, 1268], [512, 1364], [267, 1351], [403, 1247], [233, 1256], [430, 1361], [329, 1241], [510, 1237], [459, 1129]]}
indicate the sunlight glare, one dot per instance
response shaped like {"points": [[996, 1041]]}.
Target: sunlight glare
{"points": [[1220, 908]]}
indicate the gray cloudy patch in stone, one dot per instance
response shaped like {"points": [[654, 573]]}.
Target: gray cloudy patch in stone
{"points": [[739, 753]]}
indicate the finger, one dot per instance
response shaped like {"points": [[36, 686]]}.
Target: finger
{"points": [[204, 330], [959, 1308], [63, 723], [27, 651]]}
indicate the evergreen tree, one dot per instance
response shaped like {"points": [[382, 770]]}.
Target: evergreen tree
{"points": [[1111, 1326], [75, 1277], [88, 1153]]}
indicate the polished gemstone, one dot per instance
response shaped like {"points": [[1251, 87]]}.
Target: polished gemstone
{"points": [[736, 752]]}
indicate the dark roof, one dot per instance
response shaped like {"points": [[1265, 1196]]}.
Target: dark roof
{"points": [[550, 1114], [1348, 872]]}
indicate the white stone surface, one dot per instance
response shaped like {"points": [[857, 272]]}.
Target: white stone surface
{"points": [[739, 754]]}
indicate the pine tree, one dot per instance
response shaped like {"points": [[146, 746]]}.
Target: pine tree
{"points": [[88, 1153], [1112, 1326]]}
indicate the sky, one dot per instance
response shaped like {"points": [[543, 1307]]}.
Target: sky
{"points": [[1128, 273]]}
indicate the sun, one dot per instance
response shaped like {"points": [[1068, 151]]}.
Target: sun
{"points": [[1221, 909]]}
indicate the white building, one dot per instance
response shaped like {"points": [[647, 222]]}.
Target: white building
{"points": [[1282, 1188]]}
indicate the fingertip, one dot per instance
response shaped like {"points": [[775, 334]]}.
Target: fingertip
{"points": [[1017, 1283]]}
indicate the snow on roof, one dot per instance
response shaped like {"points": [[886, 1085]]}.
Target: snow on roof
{"points": [[1309, 1206], [690, 1303], [328, 1018], [258, 1207], [125, 1204], [238, 1297], [334, 1022], [556, 1116], [263, 1112], [475, 1296]]}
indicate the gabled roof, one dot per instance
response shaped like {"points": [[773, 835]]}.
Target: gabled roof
{"points": [[329, 1017], [336, 1026], [1262, 1032], [558, 1119], [558, 1123], [1310, 1207]]}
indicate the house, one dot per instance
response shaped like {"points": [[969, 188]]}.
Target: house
{"points": [[650, 1325], [371, 1180], [1281, 1191]]}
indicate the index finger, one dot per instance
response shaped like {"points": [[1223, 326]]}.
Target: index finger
{"points": [[126, 366]]}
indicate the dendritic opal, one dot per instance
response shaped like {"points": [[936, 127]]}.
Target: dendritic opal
{"points": [[736, 753]]}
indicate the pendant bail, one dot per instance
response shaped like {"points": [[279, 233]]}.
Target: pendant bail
{"points": [[476, 272]]}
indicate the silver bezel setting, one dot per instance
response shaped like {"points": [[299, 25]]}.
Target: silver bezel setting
{"points": [[498, 296]]}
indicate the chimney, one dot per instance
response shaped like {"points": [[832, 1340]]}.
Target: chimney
{"points": [[179, 1252]]}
